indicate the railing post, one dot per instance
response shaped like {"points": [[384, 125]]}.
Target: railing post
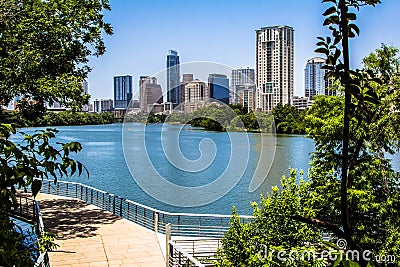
{"points": [[120, 207], [167, 238], [66, 194], [179, 223], [135, 213], [34, 215], [114, 205], [155, 222]]}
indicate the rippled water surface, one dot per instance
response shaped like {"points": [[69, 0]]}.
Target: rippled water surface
{"points": [[103, 155]]}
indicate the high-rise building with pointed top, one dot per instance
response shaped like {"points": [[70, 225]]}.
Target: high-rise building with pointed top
{"points": [[274, 66], [173, 77]]}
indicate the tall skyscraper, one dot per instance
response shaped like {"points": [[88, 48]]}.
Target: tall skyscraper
{"points": [[150, 93], [173, 77], [218, 85], [122, 91], [315, 83], [239, 77], [274, 66]]}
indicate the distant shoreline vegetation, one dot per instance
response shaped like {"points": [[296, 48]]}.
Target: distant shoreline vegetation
{"points": [[62, 118], [288, 119]]}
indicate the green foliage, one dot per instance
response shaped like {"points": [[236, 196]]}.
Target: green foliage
{"points": [[353, 189], [12, 250], [288, 119], [46, 242], [373, 184], [258, 241], [35, 157], [230, 118], [156, 118], [44, 50], [177, 117], [213, 117], [373, 189], [63, 118]]}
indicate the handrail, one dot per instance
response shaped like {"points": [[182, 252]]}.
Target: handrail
{"points": [[183, 224], [147, 207], [202, 249], [28, 210], [179, 257]]}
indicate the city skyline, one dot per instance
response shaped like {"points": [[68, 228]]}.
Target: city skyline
{"points": [[226, 37]]}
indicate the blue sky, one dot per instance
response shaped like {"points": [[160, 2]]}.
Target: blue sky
{"points": [[222, 31]]}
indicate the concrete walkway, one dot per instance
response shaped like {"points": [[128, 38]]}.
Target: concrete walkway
{"points": [[90, 236]]}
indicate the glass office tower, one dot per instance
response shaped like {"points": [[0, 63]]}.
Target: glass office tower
{"points": [[173, 77]]}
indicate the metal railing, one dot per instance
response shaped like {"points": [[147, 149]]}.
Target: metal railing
{"points": [[182, 224], [188, 225], [203, 250], [178, 257], [28, 210]]}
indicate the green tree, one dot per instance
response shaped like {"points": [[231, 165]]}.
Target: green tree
{"points": [[44, 50], [353, 190], [373, 195], [288, 119], [372, 184], [257, 242]]}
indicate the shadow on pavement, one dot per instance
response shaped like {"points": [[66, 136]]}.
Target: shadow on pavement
{"points": [[70, 218]]}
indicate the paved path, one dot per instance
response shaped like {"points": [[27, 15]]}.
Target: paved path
{"points": [[90, 236]]}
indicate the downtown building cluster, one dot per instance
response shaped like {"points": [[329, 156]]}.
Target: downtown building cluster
{"points": [[259, 89]]}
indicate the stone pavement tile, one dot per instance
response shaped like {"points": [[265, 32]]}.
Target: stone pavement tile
{"points": [[89, 236]]}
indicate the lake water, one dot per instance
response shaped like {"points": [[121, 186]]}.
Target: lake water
{"points": [[103, 155]]}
